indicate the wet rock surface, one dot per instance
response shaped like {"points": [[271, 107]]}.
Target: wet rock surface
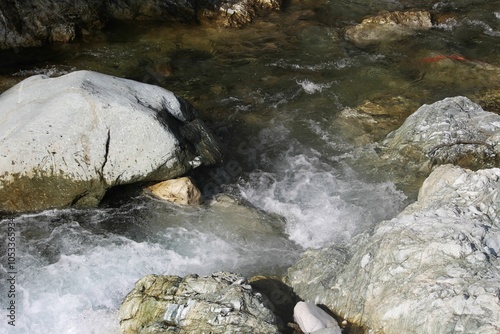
{"points": [[373, 120], [454, 130], [388, 27], [180, 191], [237, 13], [220, 303], [432, 269], [66, 140], [38, 22]]}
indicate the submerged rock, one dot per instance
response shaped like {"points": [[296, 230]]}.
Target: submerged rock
{"points": [[373, 120], [220, 303], [65, 141], [388, 27], [432, 269], [454, 130], [453, 70], [489, 100], [180, 191]]}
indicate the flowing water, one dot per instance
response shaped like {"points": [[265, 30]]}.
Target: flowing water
{"points": [[272, 92]]}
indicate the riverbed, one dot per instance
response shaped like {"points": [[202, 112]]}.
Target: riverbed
{"points": [[274, 93]]}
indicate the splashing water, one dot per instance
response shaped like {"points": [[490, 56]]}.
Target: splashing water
{"points": [[321, 204]]}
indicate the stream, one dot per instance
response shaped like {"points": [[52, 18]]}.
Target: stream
{"points": [[273, 93]]}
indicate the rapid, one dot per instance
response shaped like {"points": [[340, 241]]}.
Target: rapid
{"points": [[273, 93]]}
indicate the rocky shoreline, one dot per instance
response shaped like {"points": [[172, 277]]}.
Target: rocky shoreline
{"points": [[434, 268], [36, 23], [439, 256]]}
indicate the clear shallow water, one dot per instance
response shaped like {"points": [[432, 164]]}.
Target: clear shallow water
{"points": [[272, 92]]}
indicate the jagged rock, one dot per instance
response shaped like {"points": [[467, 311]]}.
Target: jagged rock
{"points": [[220, 303], [432, 269], [238, 13], [282, 297], [30, 23], [65, 141], [454, 130], [35, 22], [180, 191], [388, 27]]}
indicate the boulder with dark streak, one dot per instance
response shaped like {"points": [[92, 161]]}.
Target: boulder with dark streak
{"points": [[65, 141], [454, 130]]}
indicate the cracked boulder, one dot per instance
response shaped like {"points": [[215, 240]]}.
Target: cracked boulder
{"points": [[220, 303], [65, 141]]}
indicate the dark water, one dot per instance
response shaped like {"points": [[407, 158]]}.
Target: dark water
{"points": [[273, 92]]}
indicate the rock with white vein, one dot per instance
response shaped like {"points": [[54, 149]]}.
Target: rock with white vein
{"points": [[435, 268], [220, 303]]}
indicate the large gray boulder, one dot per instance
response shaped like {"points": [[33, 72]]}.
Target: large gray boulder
{"points": [[454, 130], [217, 304], [65, 141], [435, 268]]}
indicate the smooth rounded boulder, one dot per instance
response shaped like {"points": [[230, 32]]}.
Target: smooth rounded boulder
{"points": [[65, 141], [312, 319], [180, 191]]}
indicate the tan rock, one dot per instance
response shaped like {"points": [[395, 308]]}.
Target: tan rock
{"points": [[373, 120], [219, 303], [180, 191], [388, 26], [489, 100], [238, 13]]}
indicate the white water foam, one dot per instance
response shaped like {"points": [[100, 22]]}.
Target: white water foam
{"points": [[486, 28], [329, 65], [72, 277], [322, 204], [310, 87]]}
